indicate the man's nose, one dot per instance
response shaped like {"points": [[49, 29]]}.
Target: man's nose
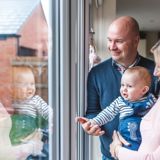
{"points": [[113, 45]]}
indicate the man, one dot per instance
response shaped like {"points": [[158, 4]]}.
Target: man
{"points": [[104, 79]]}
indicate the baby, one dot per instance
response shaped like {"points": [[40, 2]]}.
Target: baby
{"points": [[135, 101], [30, 110]]}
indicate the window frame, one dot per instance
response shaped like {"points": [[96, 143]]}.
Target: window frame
{"points": [[69, 65]]}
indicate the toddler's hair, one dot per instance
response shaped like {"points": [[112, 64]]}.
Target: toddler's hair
{"points": [[142, 73]]}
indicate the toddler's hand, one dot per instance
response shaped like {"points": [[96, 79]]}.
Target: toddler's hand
{"points": [[37, 147], [81, 120], [93, 130]]}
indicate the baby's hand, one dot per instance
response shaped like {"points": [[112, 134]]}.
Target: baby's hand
{"points": [[81, 120], [93, 123], [88, 127]]}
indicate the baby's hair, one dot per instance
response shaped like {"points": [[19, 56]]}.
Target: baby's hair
{"points": [[21, 69], [142, 73]]}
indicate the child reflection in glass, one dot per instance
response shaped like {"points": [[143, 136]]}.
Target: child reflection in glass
{"points": [[30, 111]]}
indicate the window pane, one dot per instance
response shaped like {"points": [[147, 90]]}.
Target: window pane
{"points": [[24, 109]]}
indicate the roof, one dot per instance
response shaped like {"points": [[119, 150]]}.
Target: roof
{"points": [[13, 13]]}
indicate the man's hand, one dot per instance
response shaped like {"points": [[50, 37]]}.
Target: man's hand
{"points": [[93, 130]]}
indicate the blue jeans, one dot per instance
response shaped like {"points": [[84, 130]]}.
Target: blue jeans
{"points": [[105, 158]]}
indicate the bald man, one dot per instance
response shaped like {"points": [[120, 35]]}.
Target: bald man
{"points": [[104, 79]]}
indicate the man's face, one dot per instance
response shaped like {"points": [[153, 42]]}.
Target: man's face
{"points": [[122, 45]]}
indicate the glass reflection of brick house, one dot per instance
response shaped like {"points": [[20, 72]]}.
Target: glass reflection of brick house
{"points": [[23, 41]]}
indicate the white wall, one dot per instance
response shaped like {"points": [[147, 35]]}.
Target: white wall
{"points": [[102, 17], [142, 47]]}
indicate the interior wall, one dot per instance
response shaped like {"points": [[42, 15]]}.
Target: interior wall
{"points": [[146, 43], [102, 17], [142, 47], [151, 38]]}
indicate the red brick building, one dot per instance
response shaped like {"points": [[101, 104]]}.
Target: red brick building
{"points": [[23, 41]]}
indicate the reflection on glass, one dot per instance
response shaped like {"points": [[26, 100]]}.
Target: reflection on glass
{"points": [[23, 80], [94, 59], [30, 118]]}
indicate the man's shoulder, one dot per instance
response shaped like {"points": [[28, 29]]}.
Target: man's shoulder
{"points": [[106, 64]]}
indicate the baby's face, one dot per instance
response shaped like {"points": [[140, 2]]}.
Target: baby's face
{"points": [[132, 87], [24, 86]]}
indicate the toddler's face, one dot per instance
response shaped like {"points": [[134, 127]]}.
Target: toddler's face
{"points": [[132, 87], [24, 86]]}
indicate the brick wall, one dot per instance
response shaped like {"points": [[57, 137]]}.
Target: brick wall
{"points": [[33, 34]]}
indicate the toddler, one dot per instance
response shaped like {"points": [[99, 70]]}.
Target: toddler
{"points": [[30, 110], [135, 101]]}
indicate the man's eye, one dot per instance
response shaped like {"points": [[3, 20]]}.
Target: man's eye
{"points": [[109, 40], [120, 41]]}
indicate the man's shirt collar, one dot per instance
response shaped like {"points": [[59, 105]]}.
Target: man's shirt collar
{"points": [[122, 68]]}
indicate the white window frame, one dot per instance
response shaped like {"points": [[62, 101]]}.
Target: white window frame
{"points": [[69, 68]]}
